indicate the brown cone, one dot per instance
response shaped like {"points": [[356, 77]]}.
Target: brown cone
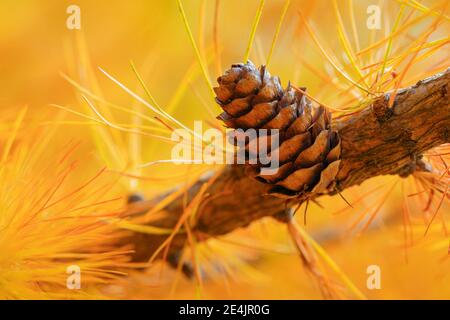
{"points": [[309, 151]]}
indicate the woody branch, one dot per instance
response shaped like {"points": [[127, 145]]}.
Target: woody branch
{"points": [[378, 140]]}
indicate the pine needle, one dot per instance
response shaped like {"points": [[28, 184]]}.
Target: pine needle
{"points": [[437, 209], [277, 32], [144, 86], [12, 136], [389, 45], [253, 30], [327, 56], [197, 52], [353, 23], [418, 6], [402, 75], [161, 112], [147, 229], [343, 38], [216, 38], [295, 228], [399, 32], [115, 126]]}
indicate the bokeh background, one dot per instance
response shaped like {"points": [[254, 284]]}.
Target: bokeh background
{"points": [[38, 52]]}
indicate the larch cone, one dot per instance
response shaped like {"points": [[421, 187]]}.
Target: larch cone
{"points": [[309, 150]]}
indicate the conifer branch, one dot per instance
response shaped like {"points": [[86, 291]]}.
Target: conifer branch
{"points": [[378, 140]]}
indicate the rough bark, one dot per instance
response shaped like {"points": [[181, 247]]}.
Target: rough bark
{"points": [[377, 140]]}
